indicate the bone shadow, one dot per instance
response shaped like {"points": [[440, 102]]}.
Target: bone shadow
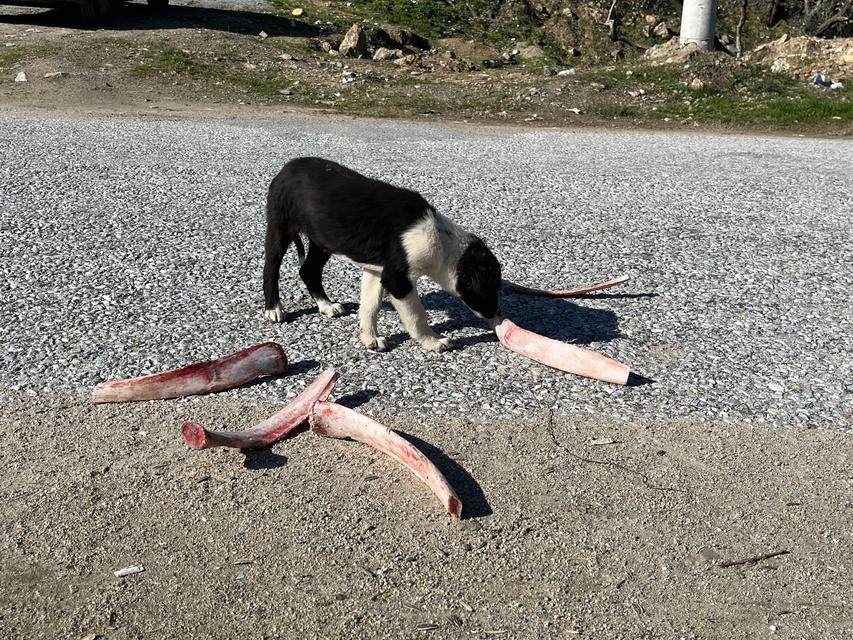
{"points": [[260, 459], [293, 369], [474, 502], [551, 317], [139, 16], [353, 400]]}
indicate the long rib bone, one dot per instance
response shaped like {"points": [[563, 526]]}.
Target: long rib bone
{"points": [[567, 293], [560, 355], [227, 372], [270, 430], [335, 421]]}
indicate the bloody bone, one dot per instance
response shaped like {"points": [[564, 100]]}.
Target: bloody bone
{"points": [[560, 355], [270, 430], [335, 421], [567, 293], [227, 372]]}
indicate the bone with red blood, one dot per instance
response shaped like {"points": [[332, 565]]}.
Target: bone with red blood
{"points": [[224, 373], [270, 430], [567, 293], [335, 421], [560, 355]]}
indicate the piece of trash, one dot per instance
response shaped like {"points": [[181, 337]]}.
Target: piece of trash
{"points": [[836, 85], [298, 11], [21, 77], [575, 110], [54, 74], [263, 35], [822, 80], [566, 72], [128, 571], [602, 441]]}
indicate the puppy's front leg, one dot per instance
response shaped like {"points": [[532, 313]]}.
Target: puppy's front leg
{"points": [[414, 318], [368, 311]]}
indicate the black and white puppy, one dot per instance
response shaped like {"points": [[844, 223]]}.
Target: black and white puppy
{"points": [[393, 234]]}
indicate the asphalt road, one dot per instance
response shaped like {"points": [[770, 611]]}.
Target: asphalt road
{"points": [[134, 245]]}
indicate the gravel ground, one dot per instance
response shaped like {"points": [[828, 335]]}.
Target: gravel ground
{"points": [[315, 538], [135, 245]]}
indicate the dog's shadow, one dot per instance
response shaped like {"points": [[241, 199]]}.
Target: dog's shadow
{"points": [[555, 318]]}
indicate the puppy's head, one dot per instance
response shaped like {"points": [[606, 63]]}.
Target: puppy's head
{"points": [[478, 278]]}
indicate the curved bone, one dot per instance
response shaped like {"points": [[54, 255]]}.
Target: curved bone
{"points": [[567, 293], [270, 430], [335, 421], [227, 372], [560, 355]]}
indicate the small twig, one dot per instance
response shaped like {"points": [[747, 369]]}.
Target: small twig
{"points": [[754, 559]]}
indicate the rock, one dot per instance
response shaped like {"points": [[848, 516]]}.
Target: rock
{"points": [[54, 74], [548, 71], [651, 20], [566, 72], [696, 83], [298, 11], [672, 52], [326, 46], [662, 30], [531, 52], [779, 66], [597, 86], [393, 37], [355, 42], [387, 54], [21, 77], [573, 51], [406, 60], [647, 31], [263, 35]]}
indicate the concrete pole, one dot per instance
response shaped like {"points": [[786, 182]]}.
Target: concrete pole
{"points": [[698, 19]]}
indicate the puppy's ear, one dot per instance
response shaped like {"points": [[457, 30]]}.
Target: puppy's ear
{"points": [[478, 271]]}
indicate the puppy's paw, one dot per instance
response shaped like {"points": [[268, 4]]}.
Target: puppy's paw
{"points": [[374, 343], [276, 314], [436, 344], [331, 309]]}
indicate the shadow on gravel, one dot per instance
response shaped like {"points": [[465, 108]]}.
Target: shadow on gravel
{"points": [[293, 369], [551, 317], [474, 503], [260, 459], [134, 17], [353, 400]]}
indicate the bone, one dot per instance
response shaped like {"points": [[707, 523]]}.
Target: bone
{"points": [[270, 430], [227, 372], [567, 293], [560, 355], [335, 421]]}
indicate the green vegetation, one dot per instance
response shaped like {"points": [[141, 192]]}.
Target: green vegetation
{"points": [[164, 59]]}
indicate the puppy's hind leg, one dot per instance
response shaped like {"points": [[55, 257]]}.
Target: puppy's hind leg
{"points": [[311, 273], [368, 311], [274, 250]]}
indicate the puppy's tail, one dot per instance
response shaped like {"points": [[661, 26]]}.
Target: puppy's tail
{"points": [[300, 249]]}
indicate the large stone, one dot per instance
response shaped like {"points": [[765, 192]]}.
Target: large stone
{"points": [[672, 52], [387, 54], [354, 43], [393, 37]]}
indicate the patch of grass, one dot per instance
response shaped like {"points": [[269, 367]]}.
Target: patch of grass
{"points": [[165, 59], [10, 57], [426, 17]]}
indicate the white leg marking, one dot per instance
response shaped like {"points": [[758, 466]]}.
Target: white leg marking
{"points": [[414, 318], [276, 314], [368, 311], [330, 309]]}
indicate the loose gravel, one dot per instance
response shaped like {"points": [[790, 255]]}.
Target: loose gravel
{"points": [[135, 245]]}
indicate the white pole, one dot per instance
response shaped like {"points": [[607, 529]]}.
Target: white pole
{"points": [[698, 18]]}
